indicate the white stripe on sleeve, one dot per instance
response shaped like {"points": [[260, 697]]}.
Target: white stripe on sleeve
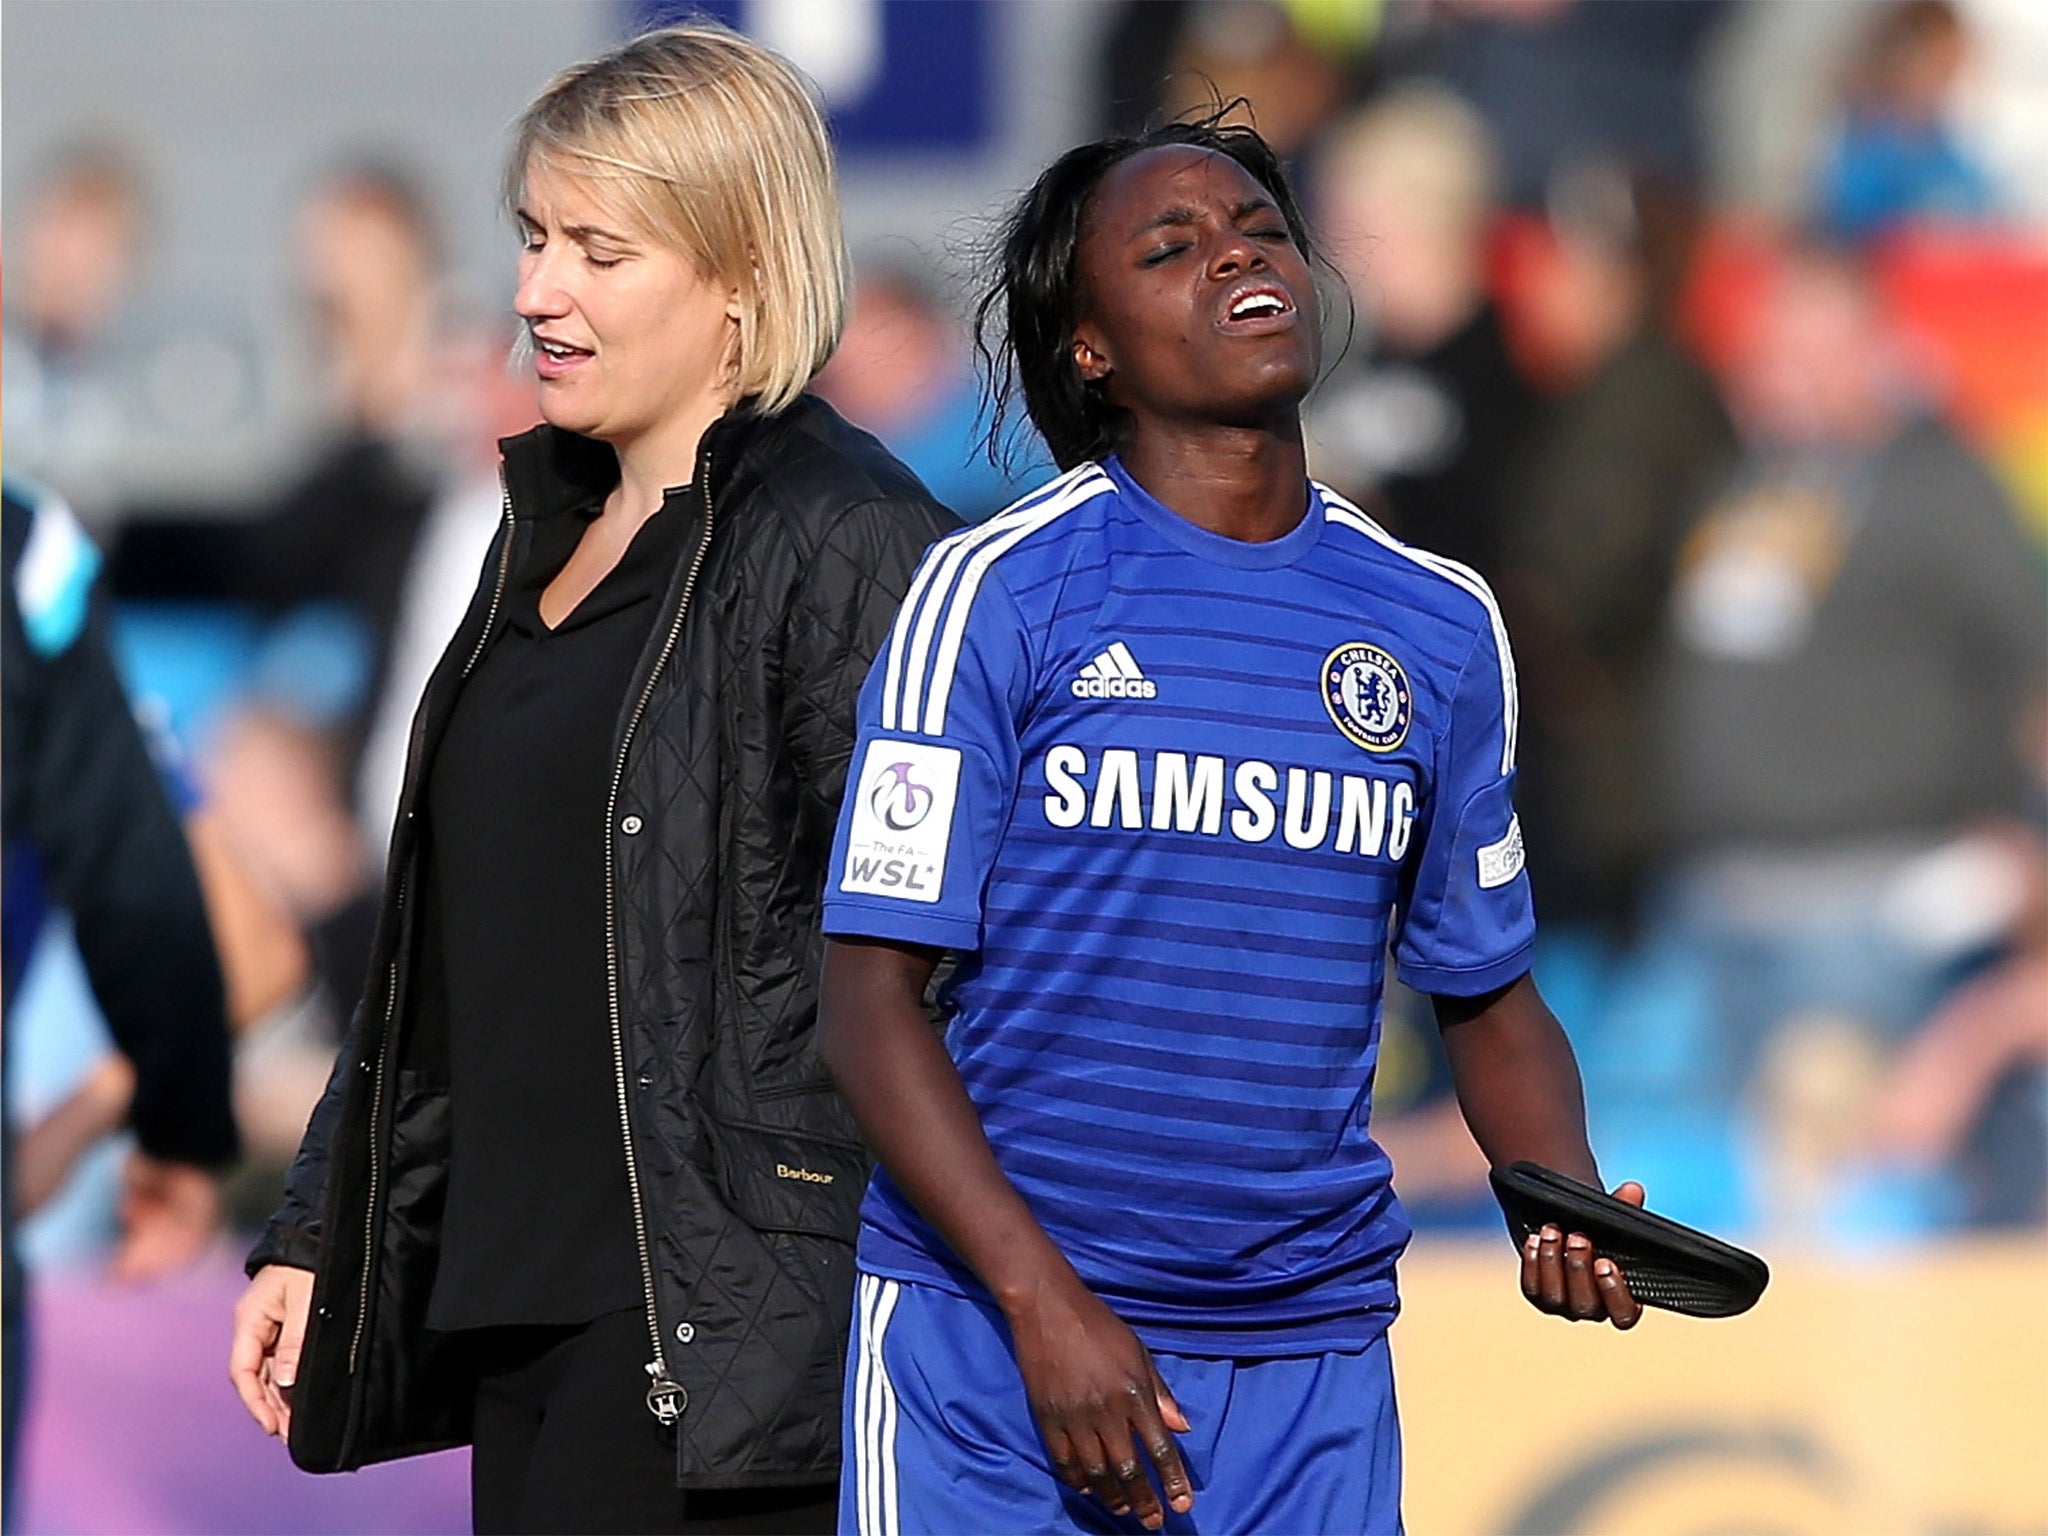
{"points": [[1462, 577], [1084, 490], [916, 622]]}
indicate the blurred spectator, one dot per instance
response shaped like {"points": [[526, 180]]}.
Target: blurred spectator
{"points": [[1419, 418], [1292, 60], [1895, 158], [1969, 1090], [1612, 477], [329, 562], [1859, 628], [88, 824], [341, 535], [81, 243], [1565, 80], [112, 397], [265, 966], [903, 372]]}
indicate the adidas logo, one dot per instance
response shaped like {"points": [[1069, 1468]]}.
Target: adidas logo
{"points": [[1114, 675]]}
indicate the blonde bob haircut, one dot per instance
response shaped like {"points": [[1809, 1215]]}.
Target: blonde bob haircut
{"points": [[709, 143]]}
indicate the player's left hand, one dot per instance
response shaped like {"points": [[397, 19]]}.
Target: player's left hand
{"points": [[1562, 1275]]}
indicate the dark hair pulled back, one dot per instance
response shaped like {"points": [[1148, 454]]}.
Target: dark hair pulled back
{"points": [[1024, 321]]}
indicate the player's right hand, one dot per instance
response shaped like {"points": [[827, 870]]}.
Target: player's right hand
{"points": [[270, 1330], [1564, 1275], [1099, 1401]]}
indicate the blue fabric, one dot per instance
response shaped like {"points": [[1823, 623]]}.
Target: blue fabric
{"points": [[317, 664], [24, 907], [1886, 172], [1166, 792], [939, 1437]]}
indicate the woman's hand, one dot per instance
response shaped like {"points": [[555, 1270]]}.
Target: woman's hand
{"points": [[270, 1330], [1099, 1402], [1562, 1275]]}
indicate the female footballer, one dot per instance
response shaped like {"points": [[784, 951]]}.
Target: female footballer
{"points": [[1168, 754]]}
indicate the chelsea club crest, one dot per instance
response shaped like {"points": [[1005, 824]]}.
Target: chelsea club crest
{"points": [[1368, 696]]}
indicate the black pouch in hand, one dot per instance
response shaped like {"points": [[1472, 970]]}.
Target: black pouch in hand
{"points": [[1666, 1263]]}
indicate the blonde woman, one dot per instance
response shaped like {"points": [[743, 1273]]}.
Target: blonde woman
{"points": [[579, 1192]]}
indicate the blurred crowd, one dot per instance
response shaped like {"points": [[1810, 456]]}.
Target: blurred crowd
{"points": [[1762, 498]]}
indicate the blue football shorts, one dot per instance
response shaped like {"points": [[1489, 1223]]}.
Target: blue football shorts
{"points": [[939, 1439]]}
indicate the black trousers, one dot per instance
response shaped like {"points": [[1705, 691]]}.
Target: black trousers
{"points": [[563, 1443]]}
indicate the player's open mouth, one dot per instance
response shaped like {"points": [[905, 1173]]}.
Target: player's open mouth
{"points": [[1258, 309]]}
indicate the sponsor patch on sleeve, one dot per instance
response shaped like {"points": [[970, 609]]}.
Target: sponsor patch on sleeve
{"points": [[902, 821], [1500, 862]]}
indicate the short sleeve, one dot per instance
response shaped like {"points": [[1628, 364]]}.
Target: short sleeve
{"points": [[1467, 924], [935, 765]]}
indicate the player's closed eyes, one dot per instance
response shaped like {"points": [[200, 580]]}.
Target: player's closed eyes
{"points": [[1166, 253]]}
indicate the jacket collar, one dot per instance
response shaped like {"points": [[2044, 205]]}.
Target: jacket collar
{"points": [[549, 470]]}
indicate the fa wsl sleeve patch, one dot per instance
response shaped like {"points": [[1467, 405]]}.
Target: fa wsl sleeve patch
{"points": [[902, 821]]}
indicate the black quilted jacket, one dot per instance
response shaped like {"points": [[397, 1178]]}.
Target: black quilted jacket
{"points": [[747, 1172]]}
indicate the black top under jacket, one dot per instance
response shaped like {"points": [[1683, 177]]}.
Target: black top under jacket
{"points": [[538, 1227]]}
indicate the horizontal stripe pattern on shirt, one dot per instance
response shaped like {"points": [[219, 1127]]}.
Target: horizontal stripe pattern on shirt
{"points": [[1168, 1017]]}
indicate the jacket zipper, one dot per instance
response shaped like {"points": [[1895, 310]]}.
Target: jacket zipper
{"points": [[504, 567], [666, 1397], [355, 1343]]}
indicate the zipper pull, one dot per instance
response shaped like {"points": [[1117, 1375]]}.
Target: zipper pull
{"points": [[666, 1399]]}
